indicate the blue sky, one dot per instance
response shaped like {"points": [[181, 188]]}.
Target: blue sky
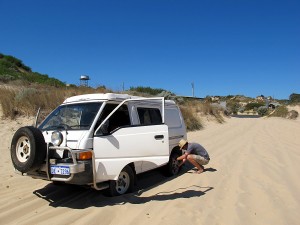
{"points": [[223, 46]]}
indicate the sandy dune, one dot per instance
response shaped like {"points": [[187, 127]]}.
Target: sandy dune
{"points": [[251, 179]]}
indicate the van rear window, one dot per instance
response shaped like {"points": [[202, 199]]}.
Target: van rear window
{"points": [[149, 116], [172, 118]]}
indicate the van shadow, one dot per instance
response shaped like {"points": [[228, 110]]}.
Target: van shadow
{"points": [[76, 197]]}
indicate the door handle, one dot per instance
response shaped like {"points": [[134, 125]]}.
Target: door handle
{"points": [[159, 137]]}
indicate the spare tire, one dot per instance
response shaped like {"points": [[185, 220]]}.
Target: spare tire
{"points": [[28, 149]]}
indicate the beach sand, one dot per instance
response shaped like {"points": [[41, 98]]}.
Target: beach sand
{"points": [[252, 178]]}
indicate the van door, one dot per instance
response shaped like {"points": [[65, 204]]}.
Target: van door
{"points": [[118, 143]]}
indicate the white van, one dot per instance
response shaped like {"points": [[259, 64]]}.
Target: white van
{"points": [[101, 140]]}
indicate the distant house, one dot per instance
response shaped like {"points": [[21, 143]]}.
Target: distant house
{"points": [[211, 99], [260, 98], [243, 104], [215, 98], [273, 105]]}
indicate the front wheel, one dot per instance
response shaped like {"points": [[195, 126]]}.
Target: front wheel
{"points": [[124, 183]]}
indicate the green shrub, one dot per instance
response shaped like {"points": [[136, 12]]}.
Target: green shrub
{"points": [[241, 109], [12, 68], [293, 114], [233, 106], [254, 105], [16, 62], [5, 78], [262, 110]]}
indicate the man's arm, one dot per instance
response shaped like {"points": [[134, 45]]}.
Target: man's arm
{"points": [[183, 158]]}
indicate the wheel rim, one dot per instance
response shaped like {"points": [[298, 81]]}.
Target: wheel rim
{"points": [[174, 165], [23, 149], [123, 182]]}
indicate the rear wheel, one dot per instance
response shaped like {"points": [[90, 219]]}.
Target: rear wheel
{"points": [[172, 168], [124, 183]]}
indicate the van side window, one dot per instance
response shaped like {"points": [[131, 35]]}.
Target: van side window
{"points": [[118, 119], [149, 116]]}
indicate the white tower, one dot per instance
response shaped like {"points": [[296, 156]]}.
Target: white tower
{"points": [[84, 79]]}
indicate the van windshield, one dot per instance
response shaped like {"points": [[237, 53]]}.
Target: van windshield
{"points": [[72, 117]]}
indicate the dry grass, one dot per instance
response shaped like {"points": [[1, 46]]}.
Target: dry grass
{"points": [[6, 97], [283, 111], [193, 111], [192, 121], [27, 99], [205, 108]]}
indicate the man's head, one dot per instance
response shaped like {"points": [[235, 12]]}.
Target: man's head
{"points": [[183, 144]]}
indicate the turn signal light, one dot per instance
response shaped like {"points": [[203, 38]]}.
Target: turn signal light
{"points": [[85, 155]]}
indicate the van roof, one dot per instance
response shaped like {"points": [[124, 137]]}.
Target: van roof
{"points": [[107, 96]]}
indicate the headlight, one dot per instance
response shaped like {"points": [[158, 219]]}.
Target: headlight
{"points": [[56, 138]]}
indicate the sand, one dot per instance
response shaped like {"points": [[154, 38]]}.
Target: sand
{"points": [[252, 179]]}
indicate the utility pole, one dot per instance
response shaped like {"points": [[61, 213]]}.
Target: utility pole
{"points": [[123, 87], [193, 89]]}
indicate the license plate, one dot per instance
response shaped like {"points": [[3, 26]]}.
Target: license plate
{"points": [[60, 170]]}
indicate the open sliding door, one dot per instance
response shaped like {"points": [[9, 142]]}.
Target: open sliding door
{"points": [[147, 146]]}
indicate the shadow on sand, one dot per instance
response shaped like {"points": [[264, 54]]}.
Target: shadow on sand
{"points": [[246, 116], [77, 197]]}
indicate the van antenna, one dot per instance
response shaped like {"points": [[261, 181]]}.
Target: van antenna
{"points": [[36, 117]]}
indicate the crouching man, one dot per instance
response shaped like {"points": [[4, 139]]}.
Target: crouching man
{"points": [[194, 153]]}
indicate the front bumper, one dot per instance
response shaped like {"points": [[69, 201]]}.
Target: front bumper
{"points": [[81, 172]]}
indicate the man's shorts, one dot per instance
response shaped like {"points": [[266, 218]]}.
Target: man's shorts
{"points": [[199, 159]]}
